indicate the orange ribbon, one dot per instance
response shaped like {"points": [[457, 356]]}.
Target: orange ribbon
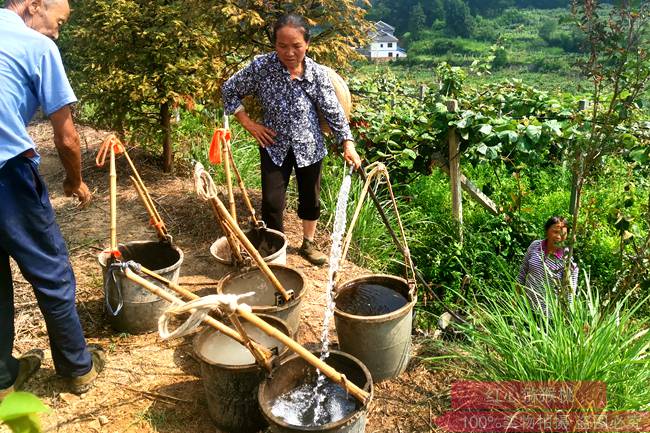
{"points": [[111, 140], [220, 135]]}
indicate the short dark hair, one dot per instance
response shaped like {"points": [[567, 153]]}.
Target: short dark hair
{"points": [[555, 220], [291, 20]]}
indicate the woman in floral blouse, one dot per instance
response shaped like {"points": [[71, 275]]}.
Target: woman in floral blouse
{"points": [[291, 89], [543, 265]]}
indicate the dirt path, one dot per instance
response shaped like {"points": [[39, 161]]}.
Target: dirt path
{"points": [[154, 386]]}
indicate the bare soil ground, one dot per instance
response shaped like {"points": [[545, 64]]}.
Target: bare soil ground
{"points": [[155, 386]]}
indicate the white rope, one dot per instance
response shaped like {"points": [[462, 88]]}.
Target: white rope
{"points": [[198, 309], [203, 183]]}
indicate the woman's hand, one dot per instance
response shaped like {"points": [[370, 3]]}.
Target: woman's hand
{"points": [[350, 154], [261, 133]]}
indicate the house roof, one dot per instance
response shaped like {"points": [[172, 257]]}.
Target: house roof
{"points": [[381, 36], [380, 25]]}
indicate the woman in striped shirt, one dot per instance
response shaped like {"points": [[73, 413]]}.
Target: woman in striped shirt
{"points": [[544, 263]]}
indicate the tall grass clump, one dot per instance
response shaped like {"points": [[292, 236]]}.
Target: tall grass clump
{"points": [[509, 340]]}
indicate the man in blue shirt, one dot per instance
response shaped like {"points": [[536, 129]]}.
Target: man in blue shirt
{"points": [[32, 75]]}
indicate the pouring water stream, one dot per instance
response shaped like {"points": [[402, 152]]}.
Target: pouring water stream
{"points": [[323, 402]]}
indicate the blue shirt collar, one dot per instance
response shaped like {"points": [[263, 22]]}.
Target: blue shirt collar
{"points": [[9, 15]]}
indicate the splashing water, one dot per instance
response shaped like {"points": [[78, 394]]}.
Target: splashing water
{"points": [[340, 218], [335, 258], [325, 401], [298, 406]]}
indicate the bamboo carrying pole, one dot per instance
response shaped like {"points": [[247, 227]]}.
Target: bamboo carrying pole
{"points": [[242, 187], [148, 285], [232, 242], [116, 146], [305, 354], [113, 199], [143, 192], [269, 330], [252, 251], [226, 169]]}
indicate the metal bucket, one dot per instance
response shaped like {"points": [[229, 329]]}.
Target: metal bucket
{"points": [[141, 308], [271, 244], [382, 342], [295, 371], [231, 389], [264, 299]]}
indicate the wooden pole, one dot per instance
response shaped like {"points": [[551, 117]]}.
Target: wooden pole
{"points": [[242, 187], [305, 354], [232, 242], [148, 285], [226, 168], [113, 199], [158, 225], [147, 196], [231, 224], [328, 371], [454, 171], [421, 92]]}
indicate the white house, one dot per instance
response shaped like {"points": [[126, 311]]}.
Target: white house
{"points": [[383, 45]]}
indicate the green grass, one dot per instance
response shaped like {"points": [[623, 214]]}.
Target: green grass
{"points": [[508, 340]]}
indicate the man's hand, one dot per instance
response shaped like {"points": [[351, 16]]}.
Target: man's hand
{"points": [[261, 133], [350, 154], [81, 191], [66, 141]]}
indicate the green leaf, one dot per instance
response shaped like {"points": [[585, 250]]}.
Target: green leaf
{"points": [[18, 404], [482, 148], [409, 153], [534, 132], [485, 129], [25, 424], [640, 155], [554, 126], [510, 136]]}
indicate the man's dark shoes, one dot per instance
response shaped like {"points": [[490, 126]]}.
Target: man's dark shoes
{"points": [[309, 251], [28, 364], [82, 384]]}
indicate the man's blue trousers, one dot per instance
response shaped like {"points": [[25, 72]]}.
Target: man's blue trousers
{"points": [[30, 235]]}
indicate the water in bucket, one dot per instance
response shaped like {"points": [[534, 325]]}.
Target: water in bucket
{"points": [[369, 300], [220, 349], [323, 402], [297, 407]]}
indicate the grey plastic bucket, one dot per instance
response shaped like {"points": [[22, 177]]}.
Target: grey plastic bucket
{"points": [[271, 244], [264, 300], [141, 308], [231, 390], [295, 371], [382, 342]]}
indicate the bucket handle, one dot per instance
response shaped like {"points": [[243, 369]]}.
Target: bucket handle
{"points": [[376, 170], [114, 267]]}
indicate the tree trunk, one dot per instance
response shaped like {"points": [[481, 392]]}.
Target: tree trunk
{"points": [[165, 123]]}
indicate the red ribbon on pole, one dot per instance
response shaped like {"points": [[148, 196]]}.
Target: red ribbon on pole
{"points": [[214, 154]]}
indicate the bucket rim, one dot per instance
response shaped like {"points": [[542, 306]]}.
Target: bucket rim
{"points": [[266, 308], [381, 317], [269, 258], [353, 417], [102, 257], [244, 367]]}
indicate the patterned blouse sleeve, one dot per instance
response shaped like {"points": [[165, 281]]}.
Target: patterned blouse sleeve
{"points": [[240, 85], [331, 109], [574, 275], [521, 278]]}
